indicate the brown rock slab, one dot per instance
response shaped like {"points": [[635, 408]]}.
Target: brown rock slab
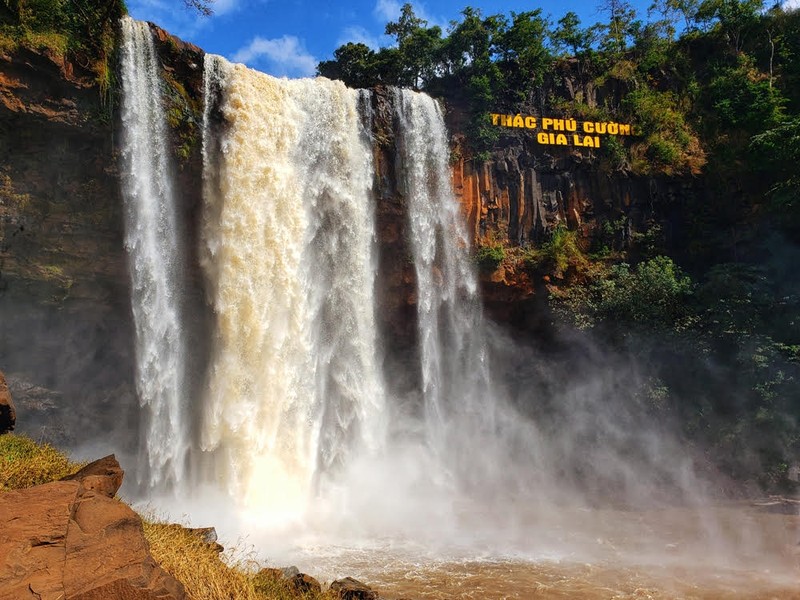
{"points": [[103, 476], [8, 415], [352, 589], [69, 540]]}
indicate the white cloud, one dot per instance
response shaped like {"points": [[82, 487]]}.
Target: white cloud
{"points": [[791, 4], [387, 10], [223, 7], [358, 34], [284, 56]]}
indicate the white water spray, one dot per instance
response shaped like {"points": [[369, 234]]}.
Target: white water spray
{"points": [[155, 260]]}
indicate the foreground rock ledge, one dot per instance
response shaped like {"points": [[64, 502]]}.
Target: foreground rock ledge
{"points": [[70, 540]]}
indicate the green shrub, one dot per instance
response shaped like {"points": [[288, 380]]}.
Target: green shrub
{"points": [[655, 295], [488, 258], [562, 251]]}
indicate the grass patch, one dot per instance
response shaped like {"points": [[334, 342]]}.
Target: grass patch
{"points": [[206, 576], [24, 463]]}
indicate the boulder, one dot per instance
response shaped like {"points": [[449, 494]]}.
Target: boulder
{"points": [[70, 540], [300, 583], [209, 536], [352, 589], [103, 476], [8, 415], [305, 584]]}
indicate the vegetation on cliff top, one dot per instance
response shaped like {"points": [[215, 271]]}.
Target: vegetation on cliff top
{"points": [[80, 30], [730, 75]]}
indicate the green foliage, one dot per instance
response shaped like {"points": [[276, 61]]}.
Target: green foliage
{"points": [[778, 150], [488, 258], [24, 463], [562, 251], [667, 144], [743, 97], [569, 38], [653, 295], [353, 63], [618, 30], [734, 298], [80, 29], [523, 58], [733, 19]]}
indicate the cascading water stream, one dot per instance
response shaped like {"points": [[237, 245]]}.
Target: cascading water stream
{"points": [[294, 386], [469, 425], [453, 352], [155, 258]]}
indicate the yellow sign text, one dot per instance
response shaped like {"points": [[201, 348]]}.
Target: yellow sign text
{"points": [[563, 132]]}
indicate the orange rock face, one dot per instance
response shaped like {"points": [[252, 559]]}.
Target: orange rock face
{"points": [[71, 540]]}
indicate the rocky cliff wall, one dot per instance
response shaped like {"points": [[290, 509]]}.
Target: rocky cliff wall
{"points": [[64, 312], [525, 191]]}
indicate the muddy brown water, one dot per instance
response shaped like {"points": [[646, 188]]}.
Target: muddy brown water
{"points": [[729, 552]]}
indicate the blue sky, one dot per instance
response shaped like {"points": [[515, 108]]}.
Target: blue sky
{"points": [[289, 37]]}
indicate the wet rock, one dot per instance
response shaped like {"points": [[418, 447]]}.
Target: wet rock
{"points": [[305, 584], [289, 572], [352, 589], [69, 539], [8, 415], [209, 536]]}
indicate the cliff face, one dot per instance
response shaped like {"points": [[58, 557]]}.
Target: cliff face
{"points": [[526, 191], [63, 281]]}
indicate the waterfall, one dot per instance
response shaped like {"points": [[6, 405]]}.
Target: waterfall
{"points": [[294, 384], [294, 405], [156, 265], [459, 397]]}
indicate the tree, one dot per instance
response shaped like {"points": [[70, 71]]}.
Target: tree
{"points": [[673, 10], [779, 148], [405, 25], [619, 28], [734, 18], [522, 50], [570, 38], [353, 63], [418, 46]]}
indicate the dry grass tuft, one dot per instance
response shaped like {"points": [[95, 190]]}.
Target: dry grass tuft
{"points": [[206, 576], [24, 463]]}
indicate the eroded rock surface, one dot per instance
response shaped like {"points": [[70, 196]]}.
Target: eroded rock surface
{"points": [[70, 540]]}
